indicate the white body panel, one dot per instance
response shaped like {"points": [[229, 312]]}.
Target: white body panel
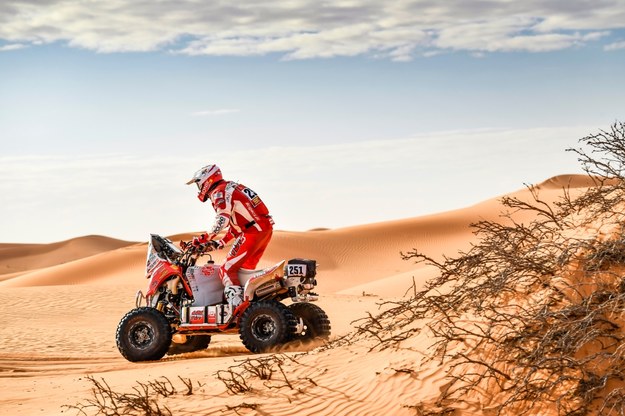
{"points": [[205, 284], [209, 290]]}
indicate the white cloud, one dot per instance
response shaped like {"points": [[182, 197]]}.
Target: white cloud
{"points": [[615, 46], [55, 198], [302, 29], [218, 112], [509, 34], [12, 47]]}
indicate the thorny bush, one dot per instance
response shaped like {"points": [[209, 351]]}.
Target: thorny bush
{"points": [[144, 400], [533, 312]]}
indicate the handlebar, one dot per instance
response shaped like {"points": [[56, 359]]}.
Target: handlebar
{"points": [[191, 253], [188, 247]]}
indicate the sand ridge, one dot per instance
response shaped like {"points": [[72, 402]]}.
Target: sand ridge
{"points": [[61, 304]]}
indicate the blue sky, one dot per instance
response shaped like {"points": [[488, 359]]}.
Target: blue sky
{"points": [[337, 113]]}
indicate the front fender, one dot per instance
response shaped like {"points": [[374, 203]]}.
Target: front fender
{"points": [[157, 281]]}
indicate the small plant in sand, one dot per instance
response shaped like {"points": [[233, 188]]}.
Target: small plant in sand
{"points": [[533, 313], [143, 400], [271, 370]]}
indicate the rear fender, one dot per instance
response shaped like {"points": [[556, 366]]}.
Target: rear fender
{"points": [[272, 278]]}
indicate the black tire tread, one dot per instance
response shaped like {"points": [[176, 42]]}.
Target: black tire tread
{"points": [[287, 323], [162, 328], [315, 319]]}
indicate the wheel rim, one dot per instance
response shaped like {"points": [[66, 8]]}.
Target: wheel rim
{"points": [[263, 327], [141, 335]]}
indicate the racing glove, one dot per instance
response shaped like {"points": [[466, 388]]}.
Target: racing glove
{"points": [[198, 240], [216, 244]]}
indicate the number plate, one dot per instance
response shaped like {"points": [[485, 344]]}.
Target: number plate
{"points": [[296, 270]]}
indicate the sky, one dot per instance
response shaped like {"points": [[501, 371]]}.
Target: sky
{"points": [[336, 113]]}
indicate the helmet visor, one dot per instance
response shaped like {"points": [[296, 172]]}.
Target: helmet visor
{"points": [[196, 177]]}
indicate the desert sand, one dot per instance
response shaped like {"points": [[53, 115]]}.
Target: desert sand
{"points": [[60, 305]]}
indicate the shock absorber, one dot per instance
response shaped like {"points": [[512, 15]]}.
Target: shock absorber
{"points": [[292, 282]]}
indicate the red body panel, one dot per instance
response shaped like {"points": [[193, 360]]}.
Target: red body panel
{"points": [[161, 273]]}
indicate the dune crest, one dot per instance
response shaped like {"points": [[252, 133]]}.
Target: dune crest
{"points": [[15, 258], [69, 296]]}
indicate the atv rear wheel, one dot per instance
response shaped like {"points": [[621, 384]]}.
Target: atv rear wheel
{"points": [[265, 325], [143, 334], [316, 321], [192, 343]]}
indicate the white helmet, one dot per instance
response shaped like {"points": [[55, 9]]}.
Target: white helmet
{"points": [[205, 179]]}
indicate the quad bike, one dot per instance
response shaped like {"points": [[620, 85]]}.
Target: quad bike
{"points": [[184, 305]]}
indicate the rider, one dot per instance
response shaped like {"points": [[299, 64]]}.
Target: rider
{"points": [[243, 215]]}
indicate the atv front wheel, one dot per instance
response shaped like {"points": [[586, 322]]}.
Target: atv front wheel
{"points": [[143, 334], [265, 325], [192, 343], [316, 322]]}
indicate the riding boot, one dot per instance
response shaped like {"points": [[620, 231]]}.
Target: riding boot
{"points": [[234, 295]]}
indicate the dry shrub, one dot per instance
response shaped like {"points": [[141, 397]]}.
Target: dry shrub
{"points": [[143, 400], [532, 314], [271, 370]]}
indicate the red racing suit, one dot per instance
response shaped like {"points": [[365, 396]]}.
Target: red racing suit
{"points": [[243, 215]]}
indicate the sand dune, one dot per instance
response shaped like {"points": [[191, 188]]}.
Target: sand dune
{"points": [[15, 258], [61, 303]]}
